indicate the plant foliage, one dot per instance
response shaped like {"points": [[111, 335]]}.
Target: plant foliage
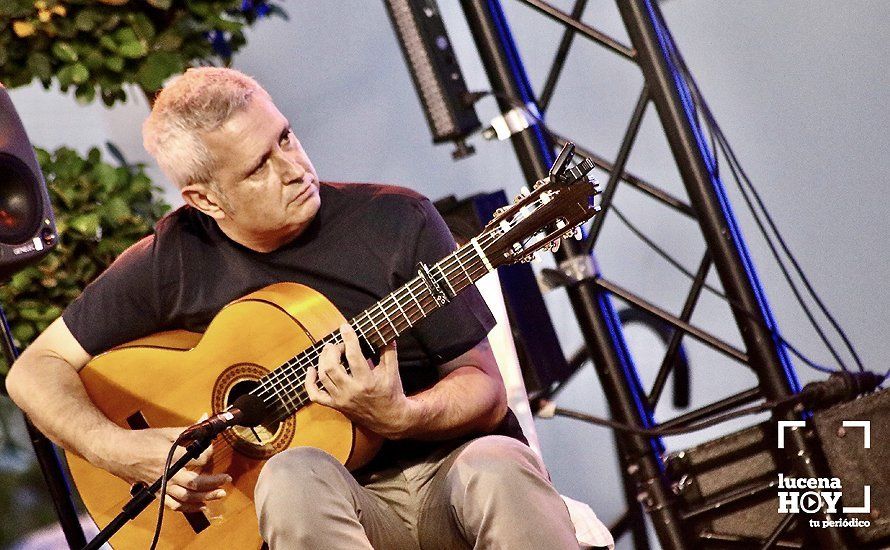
{"points": [[100, 211], [99, 46]]}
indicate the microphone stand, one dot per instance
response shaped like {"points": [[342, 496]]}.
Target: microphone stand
{"points": [[144, 494], [47, 457]]}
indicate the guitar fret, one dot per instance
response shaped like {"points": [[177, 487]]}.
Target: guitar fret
{"points": [[414, 297], [445, 277], [461, 265], [474, 241], [377, 330], [357, 327], [408, 319], [385, 316]]}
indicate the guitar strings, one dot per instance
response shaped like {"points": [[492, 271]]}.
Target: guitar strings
{"points": [[282, 375], [360, 322], [283, 409], [279, 384], [300, 364]]}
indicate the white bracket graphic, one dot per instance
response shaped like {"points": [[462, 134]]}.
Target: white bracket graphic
{"points": [[788, 424], [866, 428], [866, 503]]}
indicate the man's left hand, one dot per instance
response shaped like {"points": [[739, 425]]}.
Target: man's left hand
{"points": [[372, 396]]}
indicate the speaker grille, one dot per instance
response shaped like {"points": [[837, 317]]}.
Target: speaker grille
{"points": [[21, 206]]}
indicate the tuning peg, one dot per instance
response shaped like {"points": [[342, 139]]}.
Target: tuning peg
{"points": [[577, 233], [529, 258], [523, 193]]}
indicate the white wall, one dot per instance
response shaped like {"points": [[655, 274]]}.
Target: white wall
{"points": [[798, 87]]}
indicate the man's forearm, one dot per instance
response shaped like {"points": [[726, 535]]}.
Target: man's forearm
{"points": [[466, 400], [50, 392]]}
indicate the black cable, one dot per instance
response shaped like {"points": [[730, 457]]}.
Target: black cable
{"points": [[735, 164], [659, 432], [786, 274], [840, 387], [682, 269], [163, 495], [475, 96]]}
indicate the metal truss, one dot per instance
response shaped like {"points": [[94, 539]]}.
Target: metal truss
{"points": [[648, 488]]}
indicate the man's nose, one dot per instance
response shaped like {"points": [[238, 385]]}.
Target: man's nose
{"points": [[289, 170]]}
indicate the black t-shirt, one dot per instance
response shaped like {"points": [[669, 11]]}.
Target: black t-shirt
{"points": [[365, 242]]}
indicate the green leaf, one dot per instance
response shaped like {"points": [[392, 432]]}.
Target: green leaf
{"points": [[86, 224], [79, 73], [87, 19], [116, 211], [66, 76], [105, 175], [43, 156], [64, 51], [40, 65], [130, 46], [115, 63], [108, 43], [93, 58], [85, 93], [169, 41], [156, 68], [24, 332], [133, 50], [23, 279], [142, 26]]}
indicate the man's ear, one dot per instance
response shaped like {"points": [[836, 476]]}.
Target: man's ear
{"points": [[202, 197]]}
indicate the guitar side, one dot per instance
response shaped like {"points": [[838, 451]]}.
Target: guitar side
{"points": [[173, 378]]}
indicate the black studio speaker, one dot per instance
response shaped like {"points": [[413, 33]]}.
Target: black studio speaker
{"points": [[27, 226]]}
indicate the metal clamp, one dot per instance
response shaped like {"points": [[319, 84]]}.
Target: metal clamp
{"points": [[569, 273], [512, 122], [440, 295]]}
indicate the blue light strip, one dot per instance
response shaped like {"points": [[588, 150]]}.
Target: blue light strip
{"points": [[603, 298], [667, 47]]}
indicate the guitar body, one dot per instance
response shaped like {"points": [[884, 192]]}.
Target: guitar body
{"points": [[173, 378]]}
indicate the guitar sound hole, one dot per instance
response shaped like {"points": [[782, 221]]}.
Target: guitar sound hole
{"points": [[259, 435]]}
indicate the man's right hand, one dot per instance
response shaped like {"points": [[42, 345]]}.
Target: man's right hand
{"points": [[140, 457]]}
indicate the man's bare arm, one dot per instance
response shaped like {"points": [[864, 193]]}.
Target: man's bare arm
{"points": [[45, 383], [470, 398]]}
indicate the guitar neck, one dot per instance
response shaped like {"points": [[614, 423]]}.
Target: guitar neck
{"points": [[381, 323], [433, 287]]}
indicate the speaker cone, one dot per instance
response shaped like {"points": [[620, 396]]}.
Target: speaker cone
{"points": [[20, 204]]}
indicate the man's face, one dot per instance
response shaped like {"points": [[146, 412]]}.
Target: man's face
{"points": [[266, 186]]}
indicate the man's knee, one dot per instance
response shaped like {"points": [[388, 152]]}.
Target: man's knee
{"points": [[496, 458], [301, 473]]}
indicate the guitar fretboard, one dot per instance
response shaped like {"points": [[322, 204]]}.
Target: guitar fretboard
{"points": [[282, 389]]}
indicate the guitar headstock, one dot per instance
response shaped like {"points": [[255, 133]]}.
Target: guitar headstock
{"points": [[539, 219]]}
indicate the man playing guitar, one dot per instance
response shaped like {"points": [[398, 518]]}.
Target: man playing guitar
{"points": [[453, 472]]}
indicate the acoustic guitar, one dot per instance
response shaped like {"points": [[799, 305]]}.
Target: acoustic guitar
{"points": [[262, 344]]}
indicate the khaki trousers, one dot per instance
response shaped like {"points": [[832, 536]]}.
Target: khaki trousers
{"points": [[492, 492]]}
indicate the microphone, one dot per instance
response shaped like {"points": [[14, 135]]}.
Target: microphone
{"points": [[248, 410]]}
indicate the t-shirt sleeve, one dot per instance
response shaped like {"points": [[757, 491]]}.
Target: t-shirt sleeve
{"points": [[461, 324], [120, 305]]}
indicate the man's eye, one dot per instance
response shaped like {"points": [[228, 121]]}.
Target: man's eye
{"points": [[260, 169], [286, 138]]}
